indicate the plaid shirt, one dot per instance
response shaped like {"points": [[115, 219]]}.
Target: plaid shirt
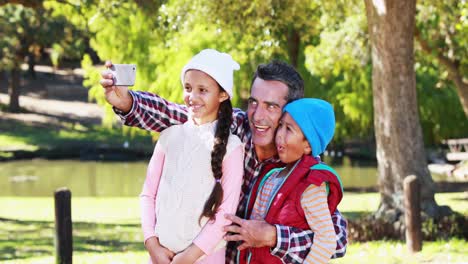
{"points": [[153, 113]]}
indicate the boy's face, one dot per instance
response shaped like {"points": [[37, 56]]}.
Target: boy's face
{"points": [[290, 141]]}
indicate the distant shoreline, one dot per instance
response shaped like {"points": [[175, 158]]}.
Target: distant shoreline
{"points": [[85, 152]]}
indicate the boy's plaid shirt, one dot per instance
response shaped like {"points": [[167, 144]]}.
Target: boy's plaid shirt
{"points": [[153, 113]]}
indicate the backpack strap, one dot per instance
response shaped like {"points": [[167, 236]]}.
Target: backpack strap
{"points": [[322, 166]]}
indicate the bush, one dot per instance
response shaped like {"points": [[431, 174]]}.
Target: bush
{"points": [[369, 228]]}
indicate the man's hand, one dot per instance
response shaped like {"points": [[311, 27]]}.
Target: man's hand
{"points": [[253, 233], [158, 253], [118, 96]]}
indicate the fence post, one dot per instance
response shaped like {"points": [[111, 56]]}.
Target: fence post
{"points": [[63, 227], [413, 233]]}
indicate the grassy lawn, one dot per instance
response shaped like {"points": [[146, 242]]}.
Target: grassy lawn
{"points": [[383, 252], [91, 257], [107, 230], [354, 205]]}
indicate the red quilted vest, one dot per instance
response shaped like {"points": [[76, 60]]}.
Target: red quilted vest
{"points": [[286, 208]]}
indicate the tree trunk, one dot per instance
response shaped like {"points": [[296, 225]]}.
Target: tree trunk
{"points": [[13, 90], [400, 147], [294, 41], [31, 64]]}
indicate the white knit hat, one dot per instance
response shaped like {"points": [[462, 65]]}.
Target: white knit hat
{"points": [[220, 66]]}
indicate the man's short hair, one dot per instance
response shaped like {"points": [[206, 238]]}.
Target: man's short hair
{"points": [[281, 71]]}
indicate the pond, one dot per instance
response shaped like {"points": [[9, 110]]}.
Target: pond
{"points": [[117, 179]]}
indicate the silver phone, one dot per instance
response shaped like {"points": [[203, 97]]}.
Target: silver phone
{"points": [[124, 74]]}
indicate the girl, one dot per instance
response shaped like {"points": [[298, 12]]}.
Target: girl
{"points": [[304, 193], [195, 174]]}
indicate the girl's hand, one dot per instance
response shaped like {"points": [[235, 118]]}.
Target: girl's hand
{"points": [[188, 256], [183, 258], [180, 259], [158, 253], [162, 255]]}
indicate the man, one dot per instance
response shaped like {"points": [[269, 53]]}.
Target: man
{"points": [[273, 85]]}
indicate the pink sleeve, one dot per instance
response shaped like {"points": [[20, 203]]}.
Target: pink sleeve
{"points": [[233, 172], [149, 192]]}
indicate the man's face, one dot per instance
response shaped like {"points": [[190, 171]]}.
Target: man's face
{"points": [[266, 102]]}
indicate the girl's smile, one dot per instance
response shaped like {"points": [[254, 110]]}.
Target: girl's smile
{"points": [[202, 96]]}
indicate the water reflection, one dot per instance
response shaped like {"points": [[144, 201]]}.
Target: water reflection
{"points": [[42, 177], [98, 179]]}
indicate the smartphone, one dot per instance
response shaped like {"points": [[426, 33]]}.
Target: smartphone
{"points": [[124, 74]]}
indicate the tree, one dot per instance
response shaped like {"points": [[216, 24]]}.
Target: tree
{"points": [[159, 43], [25, 31], [327, 41], [442, 33], [400, 148], [269, 28], [15, 21], [341, 59]]}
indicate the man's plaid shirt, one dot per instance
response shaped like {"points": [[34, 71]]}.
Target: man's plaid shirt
{"points": [[153, 113]]}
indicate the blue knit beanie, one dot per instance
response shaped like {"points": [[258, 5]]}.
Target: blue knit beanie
{"points": [[316, 119]]}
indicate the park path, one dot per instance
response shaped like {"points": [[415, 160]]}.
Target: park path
{"points": [[50, 111], [52, 97]]}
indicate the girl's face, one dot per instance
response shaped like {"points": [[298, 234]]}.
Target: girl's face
{"points": [[202, 95], [290, 141]]}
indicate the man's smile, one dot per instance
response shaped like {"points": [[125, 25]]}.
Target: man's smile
{"points": [[260, 128]]}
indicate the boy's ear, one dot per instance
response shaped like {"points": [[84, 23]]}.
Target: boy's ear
{"points": [[307, 147], [223, 96]]}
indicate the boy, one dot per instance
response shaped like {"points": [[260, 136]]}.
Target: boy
{"points": [[305, 192]]}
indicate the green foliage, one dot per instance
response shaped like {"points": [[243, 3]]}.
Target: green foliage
{"points": [[440, 109], [342, 60], [444, 26], [17, 23], [328, 43], [26, 31], [266, 29], [159, 44]]}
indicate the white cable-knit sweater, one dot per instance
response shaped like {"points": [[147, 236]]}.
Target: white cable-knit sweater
{"points": [[186, 182]]}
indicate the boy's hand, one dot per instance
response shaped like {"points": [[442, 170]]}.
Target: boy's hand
{"points": [[253, 233], [118, 96]]}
